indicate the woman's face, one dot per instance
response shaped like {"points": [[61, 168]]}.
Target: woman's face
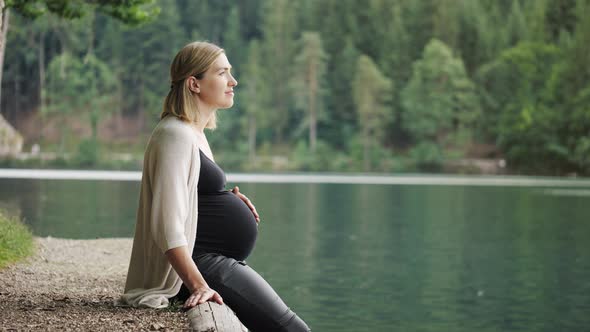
{"points": [[216, 86]]}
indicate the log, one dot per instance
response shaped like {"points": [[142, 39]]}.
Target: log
{"points": [[213, 317]]}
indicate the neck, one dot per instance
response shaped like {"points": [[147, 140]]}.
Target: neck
{"points": [[205, 113]]}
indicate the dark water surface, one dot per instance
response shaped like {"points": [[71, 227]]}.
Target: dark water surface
{"points": [[380, 257]]}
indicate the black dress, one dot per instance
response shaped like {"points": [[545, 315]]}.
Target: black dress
{"points": [[225, 223], [226, 233]]}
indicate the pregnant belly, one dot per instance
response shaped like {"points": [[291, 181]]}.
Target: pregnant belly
{"points": [[225, 225]]}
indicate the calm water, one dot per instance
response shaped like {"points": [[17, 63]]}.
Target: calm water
{"points": [[381, 257]]}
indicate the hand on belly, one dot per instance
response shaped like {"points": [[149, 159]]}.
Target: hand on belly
{"points": [[226, 225], [245, 199]]}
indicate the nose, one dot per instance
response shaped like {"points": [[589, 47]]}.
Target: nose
{"points": [[233, 81]]}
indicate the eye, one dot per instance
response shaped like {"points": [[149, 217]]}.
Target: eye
{"points": [[222, 73]]}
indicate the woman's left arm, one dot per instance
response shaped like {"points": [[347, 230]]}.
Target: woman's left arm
{"points": [[243, 197]]}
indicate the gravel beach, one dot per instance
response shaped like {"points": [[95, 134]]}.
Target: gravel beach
{"points": [[72, 285]]}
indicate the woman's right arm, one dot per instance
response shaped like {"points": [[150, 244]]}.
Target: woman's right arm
{"points": [[169, 163], [187, 270]]}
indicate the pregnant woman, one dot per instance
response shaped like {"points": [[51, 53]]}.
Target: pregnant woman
{"points": [[192, 235]]}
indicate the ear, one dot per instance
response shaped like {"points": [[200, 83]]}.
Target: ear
{"points": [[193, 84]]}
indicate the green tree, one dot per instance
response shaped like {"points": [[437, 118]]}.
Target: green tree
{"points": [[307, 83], [516, 29], [335, 20], [255, 97], [146, 56], [560, 17], [514, 88], [278, 52], [371, 91], [397, 64], [440, 101], [476, 39], [76, 87], [568, 91], [445, 21], [232, 41], [131, 12]]}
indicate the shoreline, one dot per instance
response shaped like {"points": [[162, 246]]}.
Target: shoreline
{"points": [[331, 178], [73, 285]]}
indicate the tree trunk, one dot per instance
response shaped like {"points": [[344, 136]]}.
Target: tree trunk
{"points": [[252, 139], [313, 89], [313, 128], [90, 50], [212, 317], [4, 13], [41, 83], [366, 147]]}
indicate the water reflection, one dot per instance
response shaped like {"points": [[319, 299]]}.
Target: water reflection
{"points": [[72, 208], [380, 257]]}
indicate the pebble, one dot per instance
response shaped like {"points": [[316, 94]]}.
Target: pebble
{"points": [[84, 299]]}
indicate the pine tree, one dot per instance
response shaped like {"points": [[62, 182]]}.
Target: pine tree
{"points": [[278, 51], [516, 29], [419, 21], [371, 91], [475, 38], [78, 86], [310, 69], [255, 97], [336, 23], [560, 17], [232, 39], [397, 64], [146, 79], [440, 101], [131, 12]]}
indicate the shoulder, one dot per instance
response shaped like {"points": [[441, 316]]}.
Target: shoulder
{"points": [[171, 138], [172, 128]]}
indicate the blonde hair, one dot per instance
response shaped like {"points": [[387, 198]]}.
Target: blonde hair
{"points": [[193, 59]]}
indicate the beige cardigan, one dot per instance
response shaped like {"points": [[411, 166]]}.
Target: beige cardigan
{"points": [[167, 213]]}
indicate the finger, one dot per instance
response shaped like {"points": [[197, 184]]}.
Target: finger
{"points": [[217, 298], [197, 299], [188, 302], [243, 197], [206, 296], [250, 205], [246, 200], [253, 208]]}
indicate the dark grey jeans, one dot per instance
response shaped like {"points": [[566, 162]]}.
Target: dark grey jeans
{"points": [[253, 300]]}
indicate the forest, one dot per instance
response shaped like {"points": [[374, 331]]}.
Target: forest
{"points": [[324, 85]]}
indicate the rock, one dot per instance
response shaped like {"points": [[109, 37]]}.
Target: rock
{"points": [[11, 141], [156, 327]]}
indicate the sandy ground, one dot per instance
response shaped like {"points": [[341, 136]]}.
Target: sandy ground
{"points": [[72, 285]]}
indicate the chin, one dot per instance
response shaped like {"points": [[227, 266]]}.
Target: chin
{"points": [[227, 105]]}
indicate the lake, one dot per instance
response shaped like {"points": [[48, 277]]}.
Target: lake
{"points": [[401, 256]]}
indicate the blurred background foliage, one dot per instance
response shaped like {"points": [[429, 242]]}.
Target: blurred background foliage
{"points": [[330, 85]]}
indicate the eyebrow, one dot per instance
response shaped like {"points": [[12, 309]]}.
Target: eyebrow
{"points": [[225, 68]]}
